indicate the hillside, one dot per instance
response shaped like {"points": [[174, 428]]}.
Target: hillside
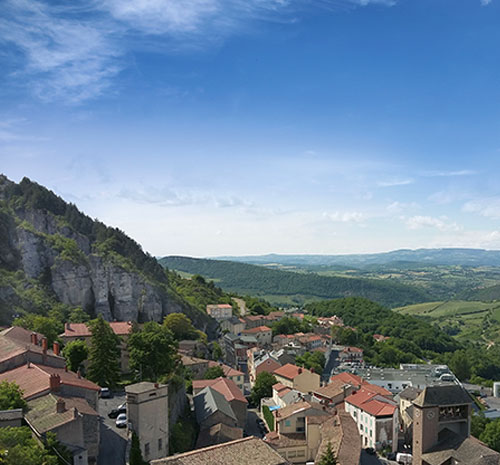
{"points": [[400, 258], [52, 254], [465, 320], [283, 287]]}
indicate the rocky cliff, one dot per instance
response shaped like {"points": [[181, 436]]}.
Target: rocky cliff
{"points": [[50, 252]]}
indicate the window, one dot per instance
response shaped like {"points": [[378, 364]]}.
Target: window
{"points": [[160, 444], [291, 453], [287, 423], [146, 449], [301, 453]]}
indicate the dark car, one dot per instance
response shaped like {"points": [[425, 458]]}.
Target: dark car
{"points": [[105, 393], [117, 411], [370, 450], [391, 455]]}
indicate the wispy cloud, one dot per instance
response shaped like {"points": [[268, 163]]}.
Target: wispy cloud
{"points": [[442, 223], [399, 207], [395, 182], [447, 174], [74, 51], [345, 217], [485, 2]]}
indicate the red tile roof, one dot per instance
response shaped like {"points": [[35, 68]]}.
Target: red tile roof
{"points": [[290, 371], [279, 387], [349, 378], [35, 379], [15, 341], [225, 386], [353, 349], [120, 328], [228, 371], [258, 329], [370, 402]]}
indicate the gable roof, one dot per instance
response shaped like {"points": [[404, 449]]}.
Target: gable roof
{"points": [[228, 371], [244, 451], [372, 403], [258, 329], [410, 393], [209, 401], [218, 434], [290, 371], [348, 378], [34, 379], [16, 341], [433, 396], [227, 387], [299, 407], [333, 389], [43, 414], [120, 328]]}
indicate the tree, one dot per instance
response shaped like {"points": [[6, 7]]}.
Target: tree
{"points": [[50, 327], [153, 351], [214, 372], [181, 326], [135, 451], [78, 315], [11, 396], [216, 351], [478, 424], [328, 457], [491, 435], [312, 360], [459, 365], [263, 387], [104, 354], [22, 449], [75, 353]]}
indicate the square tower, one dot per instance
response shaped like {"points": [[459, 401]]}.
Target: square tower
{"points": [[147, 411], [436, 409]]}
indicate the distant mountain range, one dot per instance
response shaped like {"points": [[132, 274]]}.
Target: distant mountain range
{"points": [[447, 256]]}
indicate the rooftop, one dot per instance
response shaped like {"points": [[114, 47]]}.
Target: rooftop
{"points": [[442, 396], [290, 371], [240, 452], [228, 371], [34, 379], [258, 329], [333, 389], [209, 401], [225, 386], [120, 328], [410, 393], [144, 386], [372, 403], [43, 415]]}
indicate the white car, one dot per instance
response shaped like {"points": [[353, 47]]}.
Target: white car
{"points": [[121, 420]]}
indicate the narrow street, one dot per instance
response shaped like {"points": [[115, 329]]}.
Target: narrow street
{"points": [[113, 439]]}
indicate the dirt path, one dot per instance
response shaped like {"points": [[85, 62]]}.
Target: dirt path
{"points": [[241, 305]]}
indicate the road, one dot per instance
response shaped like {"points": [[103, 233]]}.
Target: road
{"points": [[251, 428], [113, 439], [367, 459], [242, 306]]}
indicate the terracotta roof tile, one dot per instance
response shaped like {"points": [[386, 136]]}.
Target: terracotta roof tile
{"points": [[371, 403], [258, 329], [290, 371], [228, 371], [225, 386], [120, 328]]}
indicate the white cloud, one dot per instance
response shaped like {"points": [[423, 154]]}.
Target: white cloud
{"points": [[441, 223], [487, 207], [395, 182], [485, 2], [74, 50], [452, 173], [399, 207], [345, 217]]}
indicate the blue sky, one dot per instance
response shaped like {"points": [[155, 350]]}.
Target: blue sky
{"points": [[211, 127]]}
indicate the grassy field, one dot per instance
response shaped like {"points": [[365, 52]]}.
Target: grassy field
{"points": [[466, 320]]}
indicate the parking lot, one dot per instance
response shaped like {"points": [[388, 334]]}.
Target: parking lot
{"points": [[113, 439]]}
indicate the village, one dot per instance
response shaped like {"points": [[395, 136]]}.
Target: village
{"points": [[289, 399]]}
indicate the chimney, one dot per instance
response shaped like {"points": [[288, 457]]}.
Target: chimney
{"points": [[55, 382], [66, 368], [67, 326], [28, 364], [300, 371], [78, 374], [45, 345], [34, 338], [56, 348], [60, 406], [157, 385]]}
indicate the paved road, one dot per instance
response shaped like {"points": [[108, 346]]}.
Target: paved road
{"points": [[367, 459], [113, 439], [251, 427]]}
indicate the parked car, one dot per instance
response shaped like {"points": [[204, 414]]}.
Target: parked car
{"points": [[121, 420], [118, 411], [391, 455], [370, 450], [105, 393]]}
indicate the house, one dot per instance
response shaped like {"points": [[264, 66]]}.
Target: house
{"points": [[212, 408], [235, 349], [297, 378], [253, 321], [19, 346], [322, 427], [376, 416], [197, 366], [218, 434], [230, 391], [263, 334], [406, 399], [81, 332], [74, 422], [233, 374], [260, 360], [441, 429], [380, 337], [38, 380], [220, 311], [246, 451], [147, 414], [193, 348], [233, 325], [310, 341], [351, 354], [284, 396], [333, 393], [51, 414]]}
